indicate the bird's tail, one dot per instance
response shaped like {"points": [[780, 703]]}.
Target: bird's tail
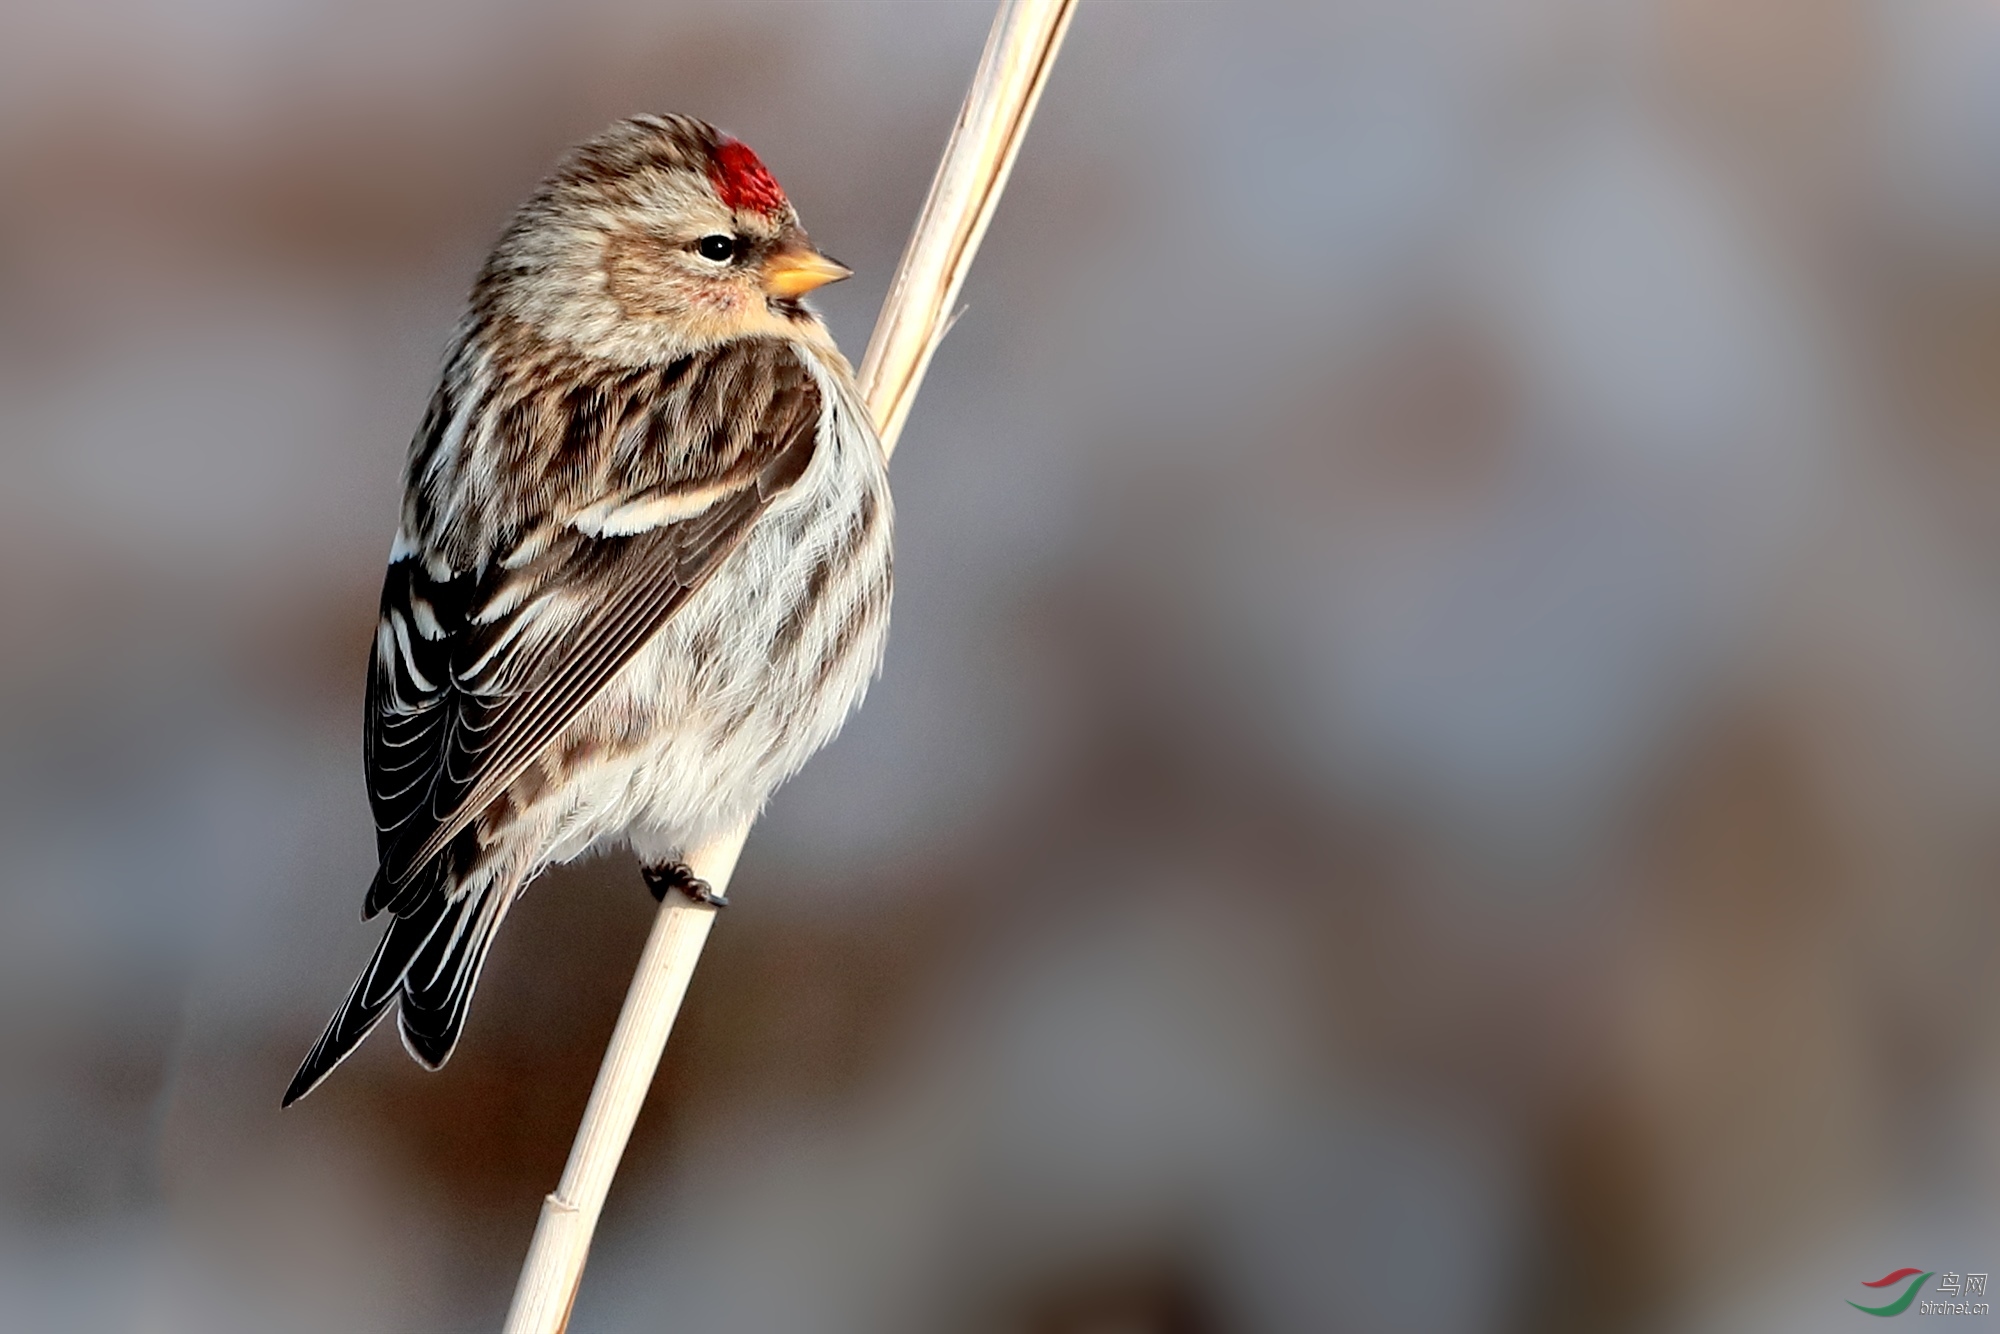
{"points": [[429, 960]]}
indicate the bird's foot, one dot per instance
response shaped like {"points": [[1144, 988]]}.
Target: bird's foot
{"points": [[681, 876]]}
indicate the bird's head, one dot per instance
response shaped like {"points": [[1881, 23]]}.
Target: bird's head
{"points": [[660, 236]]}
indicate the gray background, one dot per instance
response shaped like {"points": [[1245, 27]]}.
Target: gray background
{"points": [[1438, 762]]}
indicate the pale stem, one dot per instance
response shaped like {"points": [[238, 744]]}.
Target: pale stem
{"points": [[1012, 70]]}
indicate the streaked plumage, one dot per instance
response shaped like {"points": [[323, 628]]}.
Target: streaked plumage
{"points": [[643, 571]]}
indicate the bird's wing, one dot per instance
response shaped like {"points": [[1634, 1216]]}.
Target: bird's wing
{"points": [[475, 673]]}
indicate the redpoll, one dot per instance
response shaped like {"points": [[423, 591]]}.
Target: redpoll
{"points": [[643, 569]]}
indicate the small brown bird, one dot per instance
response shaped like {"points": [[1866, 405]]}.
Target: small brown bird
{"points": [[643, 569]]}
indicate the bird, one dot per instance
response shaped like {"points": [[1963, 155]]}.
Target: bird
{"points": [[643, 565]]}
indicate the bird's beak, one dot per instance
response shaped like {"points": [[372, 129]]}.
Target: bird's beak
{"points": [[796, 268]]}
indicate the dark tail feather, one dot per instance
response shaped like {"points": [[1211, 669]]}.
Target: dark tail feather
{"points": [[439, 987], [439, 876], [368, 1000]]}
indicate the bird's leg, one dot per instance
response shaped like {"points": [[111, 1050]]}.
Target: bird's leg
{"points": [[681, 876]]}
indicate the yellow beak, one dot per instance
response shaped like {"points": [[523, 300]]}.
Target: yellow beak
{"points": [[796, 270]]}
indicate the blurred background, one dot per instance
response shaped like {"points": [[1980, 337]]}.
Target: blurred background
{"points": [[1437, 771]]}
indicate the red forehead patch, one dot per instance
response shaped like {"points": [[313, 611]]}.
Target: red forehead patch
{"points": [[742, 181]]}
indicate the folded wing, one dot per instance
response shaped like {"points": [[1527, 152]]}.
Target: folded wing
{"points": [[475, 673]]}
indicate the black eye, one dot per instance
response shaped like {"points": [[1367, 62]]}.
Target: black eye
{"points": [[717, 247]]}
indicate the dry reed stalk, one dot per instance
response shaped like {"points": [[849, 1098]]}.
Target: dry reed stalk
{"points": [[1012, 70]]}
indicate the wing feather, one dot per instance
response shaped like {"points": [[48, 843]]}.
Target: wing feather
{"points": [[477, 673]]}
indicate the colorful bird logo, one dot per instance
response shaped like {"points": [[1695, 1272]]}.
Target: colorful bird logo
{"points": [[1917, 1278]]}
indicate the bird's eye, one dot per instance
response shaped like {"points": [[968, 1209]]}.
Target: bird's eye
{"points": [[717, 247]]}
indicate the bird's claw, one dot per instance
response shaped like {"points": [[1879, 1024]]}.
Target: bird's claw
{"points": [[681, 876]]}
